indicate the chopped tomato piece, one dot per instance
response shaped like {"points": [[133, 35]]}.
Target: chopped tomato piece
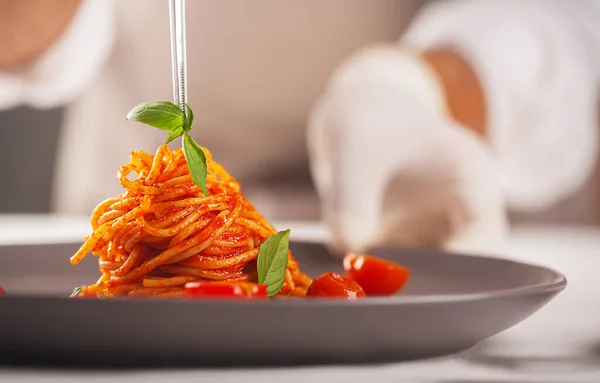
{"points": [[335, 285], [2, 292], [238, 289], [375, 275]]}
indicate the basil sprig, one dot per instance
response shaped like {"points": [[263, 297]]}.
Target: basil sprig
{"points": [[196, 160], [272, 261], [165, 115]]}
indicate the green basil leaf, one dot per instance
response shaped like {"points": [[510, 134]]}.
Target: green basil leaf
{"points": [[163, 115], [272, 261], [189, 118], [76, 292], [178, 132], [196, 161]]}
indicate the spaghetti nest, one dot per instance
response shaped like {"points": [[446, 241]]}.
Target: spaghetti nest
{"points": [[163, 232]]}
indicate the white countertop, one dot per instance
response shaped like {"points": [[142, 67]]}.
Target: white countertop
{"points": [[561, 343]]}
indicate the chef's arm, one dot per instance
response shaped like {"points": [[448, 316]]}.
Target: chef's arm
{"points": [[524, 75], [462, 88], [50, 50], [29, 27], [392, 145]]}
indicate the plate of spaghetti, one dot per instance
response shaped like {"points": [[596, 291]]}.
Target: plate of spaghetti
{"points": [[162, 233], [181, 269]]}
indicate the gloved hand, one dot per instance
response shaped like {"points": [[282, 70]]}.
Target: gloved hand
{"points": [[391, 166]]}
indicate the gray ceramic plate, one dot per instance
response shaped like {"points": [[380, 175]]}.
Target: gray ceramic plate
{"points": [[451, 303]]}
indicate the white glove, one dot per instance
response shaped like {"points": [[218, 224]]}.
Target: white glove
{"points": [[390, 165]]}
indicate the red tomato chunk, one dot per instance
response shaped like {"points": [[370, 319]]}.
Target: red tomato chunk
{"points": [[236, 290], [375, 275], [335, 285]]}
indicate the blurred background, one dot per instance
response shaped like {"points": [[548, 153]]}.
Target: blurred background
{"points": [[258, 66], [28, 176], [29, 166]]}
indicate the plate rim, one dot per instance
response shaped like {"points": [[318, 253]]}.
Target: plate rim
{"points": [[557, 285]]}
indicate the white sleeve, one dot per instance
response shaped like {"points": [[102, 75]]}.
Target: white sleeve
{"points": [[68, 66], [538, 63]]}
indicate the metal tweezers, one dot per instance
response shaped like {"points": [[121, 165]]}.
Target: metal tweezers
{"points": [[178, 55]]}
